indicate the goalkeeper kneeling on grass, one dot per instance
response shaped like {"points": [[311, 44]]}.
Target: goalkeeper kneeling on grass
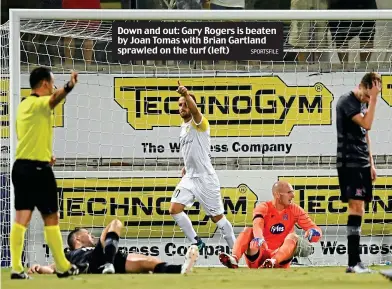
{"points": [[271, 242], [103, 257]]}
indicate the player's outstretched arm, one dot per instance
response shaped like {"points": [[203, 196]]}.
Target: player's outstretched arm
{"points": [[258, 225], [366, 121], [61, 93], [38, 269], [196, 114], [312, 231]]}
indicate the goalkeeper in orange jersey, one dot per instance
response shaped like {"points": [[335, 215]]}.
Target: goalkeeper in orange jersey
{"points": [[271, 242]]}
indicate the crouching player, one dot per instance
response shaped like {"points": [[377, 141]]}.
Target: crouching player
{"points": [[272, 243], [103, 257]]}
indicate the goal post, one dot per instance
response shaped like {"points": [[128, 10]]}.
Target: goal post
{"points": [[116, 137]]}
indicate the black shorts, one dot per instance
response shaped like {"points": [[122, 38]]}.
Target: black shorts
{"points": [[35, 186], [355, 184], [98, 260]]}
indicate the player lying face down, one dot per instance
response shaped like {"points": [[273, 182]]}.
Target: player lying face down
{"points": [[103, 257], [271, 242]]}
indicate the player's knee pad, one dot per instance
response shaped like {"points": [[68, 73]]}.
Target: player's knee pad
{"points": [[304, 248]]}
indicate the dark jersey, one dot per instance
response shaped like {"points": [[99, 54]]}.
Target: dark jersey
{"points": [[95, 257], [352, 147], [81, 256]]}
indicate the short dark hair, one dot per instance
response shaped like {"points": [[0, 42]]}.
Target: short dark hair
{"points": [[39, 74], [70, 238], [368, 79]]}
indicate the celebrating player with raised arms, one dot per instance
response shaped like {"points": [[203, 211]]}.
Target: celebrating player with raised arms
{"points": [[199, 180], [272, 243], [103, 256]]}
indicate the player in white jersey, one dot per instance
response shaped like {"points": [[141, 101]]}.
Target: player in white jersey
{"points": [[199, 180]]}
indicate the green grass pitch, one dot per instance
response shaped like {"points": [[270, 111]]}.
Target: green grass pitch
{"points": [[214, 278]]}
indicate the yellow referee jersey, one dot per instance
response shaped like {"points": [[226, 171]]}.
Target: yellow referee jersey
{"points": [[34, 128]]}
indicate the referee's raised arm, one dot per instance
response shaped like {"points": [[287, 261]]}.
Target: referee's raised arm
{"points": [[61, 93]]}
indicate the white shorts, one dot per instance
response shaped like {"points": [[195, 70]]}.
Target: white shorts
{"points": [[205, 190]]}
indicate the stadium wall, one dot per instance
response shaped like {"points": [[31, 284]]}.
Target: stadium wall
{"points": [[135, 116], [112, 118]]}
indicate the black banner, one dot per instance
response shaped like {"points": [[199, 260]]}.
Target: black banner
{"points": [[145, 40]]}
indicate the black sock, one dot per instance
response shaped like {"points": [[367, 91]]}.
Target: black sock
{"points": [[198, 239], [353, 239], [164, 268], [253, 258], [111, 246]]}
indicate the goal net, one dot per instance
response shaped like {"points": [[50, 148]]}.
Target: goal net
{"points": [[116, 137]]}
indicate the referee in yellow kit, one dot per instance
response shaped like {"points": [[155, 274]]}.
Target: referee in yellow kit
{"points": [[32, 175]]}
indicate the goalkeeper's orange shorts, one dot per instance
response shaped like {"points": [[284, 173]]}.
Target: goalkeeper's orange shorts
{"points": [[256, 261]]}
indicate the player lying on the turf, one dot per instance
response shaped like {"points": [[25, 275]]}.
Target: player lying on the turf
{"points": [[103, 256], [272, 243]]}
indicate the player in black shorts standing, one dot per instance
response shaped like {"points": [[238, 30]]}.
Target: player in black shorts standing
{"points": [[355, 112], [32, 175], [103, 256]]}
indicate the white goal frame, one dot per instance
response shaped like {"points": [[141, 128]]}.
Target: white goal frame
{"points": [[16, 15], [115, 14]]}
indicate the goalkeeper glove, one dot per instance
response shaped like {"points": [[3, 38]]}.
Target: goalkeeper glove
{"points": [[258, 243], [312, 235]]}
